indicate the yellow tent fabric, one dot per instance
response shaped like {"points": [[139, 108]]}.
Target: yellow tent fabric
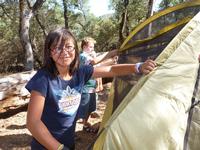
{"points": [[141, 44], [154, 113]]}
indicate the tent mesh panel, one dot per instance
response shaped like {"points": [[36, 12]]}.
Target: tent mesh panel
{"points": [[149, 48]]}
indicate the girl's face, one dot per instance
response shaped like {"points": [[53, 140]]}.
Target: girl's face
{"points": [[89, 47], [64, 54]]}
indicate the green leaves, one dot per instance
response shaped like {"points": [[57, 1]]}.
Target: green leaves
{"points": [[104, 29]]}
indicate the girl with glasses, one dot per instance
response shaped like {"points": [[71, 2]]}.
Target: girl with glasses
{"points": [[56, 90]]}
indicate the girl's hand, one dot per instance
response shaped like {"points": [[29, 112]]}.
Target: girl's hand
{"points": [[114, 53], [147, 66]]}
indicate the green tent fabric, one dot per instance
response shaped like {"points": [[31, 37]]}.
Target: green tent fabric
{"points": [[148, 40], [156, 114]]}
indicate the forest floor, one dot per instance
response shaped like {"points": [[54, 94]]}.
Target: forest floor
{"points": [[15, 136]]}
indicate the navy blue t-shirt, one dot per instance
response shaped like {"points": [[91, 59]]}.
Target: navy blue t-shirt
{"points": [[62, 99]]}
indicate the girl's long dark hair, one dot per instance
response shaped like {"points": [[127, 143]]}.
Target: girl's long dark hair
{"points": [[54, 38]]}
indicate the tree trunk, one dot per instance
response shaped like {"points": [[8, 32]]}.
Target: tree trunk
{"points": [[25, 17], [41, 25], [123, 24], [65, 13], [122, 27], [150, 9], [149, 14]]}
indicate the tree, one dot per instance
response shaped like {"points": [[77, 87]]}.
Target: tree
{"points": [[136, 11], [169, 3], [150, 9], [25, 16], [65, 13], [38, 18], [10, 49], [123, 24]]}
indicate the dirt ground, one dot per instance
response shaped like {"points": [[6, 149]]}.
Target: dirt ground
{"points": [[15, 136]]}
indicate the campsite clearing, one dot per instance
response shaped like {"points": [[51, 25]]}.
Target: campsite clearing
{"points": [[15, 136]]}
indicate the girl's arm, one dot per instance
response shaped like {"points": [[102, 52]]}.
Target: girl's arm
{"points": [[123, 69], [35, 125], [104, 56], [110, 61]]}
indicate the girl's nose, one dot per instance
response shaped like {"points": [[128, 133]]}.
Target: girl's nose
{"points": [[65, 52]]}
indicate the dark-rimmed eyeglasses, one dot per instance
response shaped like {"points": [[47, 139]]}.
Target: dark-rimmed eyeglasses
{"points": [[65, 48]]}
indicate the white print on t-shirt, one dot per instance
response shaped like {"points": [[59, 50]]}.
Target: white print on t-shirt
{"points": [[70, 100]]}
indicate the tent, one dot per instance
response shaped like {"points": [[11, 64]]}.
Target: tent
{"points": [[161, 111]]}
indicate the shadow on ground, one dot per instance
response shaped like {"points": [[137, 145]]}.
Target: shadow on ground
{"points": [[84, 140], [16, 141]]}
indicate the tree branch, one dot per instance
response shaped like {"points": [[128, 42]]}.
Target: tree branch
{"points": [[40, 24], [37, 5], [5, 12]]}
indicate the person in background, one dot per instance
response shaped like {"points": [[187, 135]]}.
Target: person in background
{"points": [[56, 90], [87, 106], [90, 56]]}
